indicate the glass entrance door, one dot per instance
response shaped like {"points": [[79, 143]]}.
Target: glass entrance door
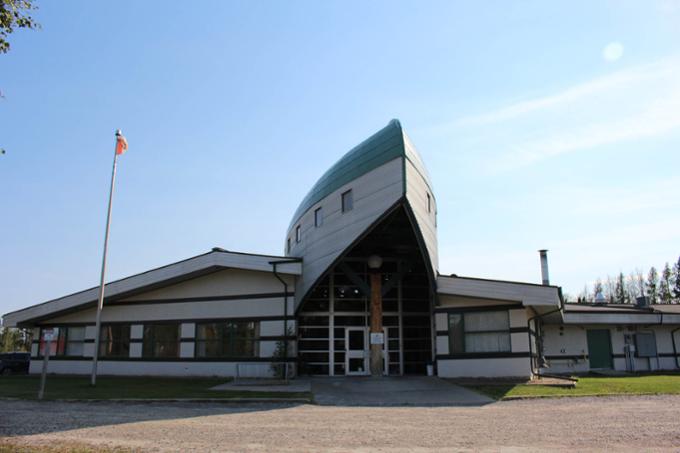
{"points": [[356, 351]]}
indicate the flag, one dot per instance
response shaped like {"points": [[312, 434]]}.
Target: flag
{"points": [[121, 143]]}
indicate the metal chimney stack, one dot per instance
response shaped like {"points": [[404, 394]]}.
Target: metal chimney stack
{"points": [[544, 267]]}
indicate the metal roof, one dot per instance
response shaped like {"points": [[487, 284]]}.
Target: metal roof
{"points": [[383, 146]]}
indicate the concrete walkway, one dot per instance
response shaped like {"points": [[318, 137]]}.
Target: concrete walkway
{"points": [[393, 391], [266, 385]]}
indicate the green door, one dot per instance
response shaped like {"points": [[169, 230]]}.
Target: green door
{"points": [[599, 348]]}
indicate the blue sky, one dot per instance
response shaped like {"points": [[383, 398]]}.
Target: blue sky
{"points": [[543, 124]]}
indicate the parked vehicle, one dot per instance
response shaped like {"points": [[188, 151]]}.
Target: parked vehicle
{"points": [[14, 363]]}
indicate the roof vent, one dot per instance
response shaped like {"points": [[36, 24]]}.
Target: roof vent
{"points": [[642, 302], [219, 249]]}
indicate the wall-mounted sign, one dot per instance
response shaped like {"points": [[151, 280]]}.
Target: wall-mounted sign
{"points": [[377, 338]]}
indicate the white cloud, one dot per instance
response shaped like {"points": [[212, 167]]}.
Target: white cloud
{"points": [[635, 103], [618, 81]]}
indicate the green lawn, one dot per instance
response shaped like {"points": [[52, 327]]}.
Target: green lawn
{"points": [[590, 385], [78, 387]]}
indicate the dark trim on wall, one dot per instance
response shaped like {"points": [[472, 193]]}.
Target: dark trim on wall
{"points": [[136, 340], [519, 330], [277, 338], [473, 309], [187, 339], [482, 355], [171, 359], [202, 299], [567, 357], [169, 321]]}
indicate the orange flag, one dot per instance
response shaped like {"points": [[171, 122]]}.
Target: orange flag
{"points": [[121, 144]]}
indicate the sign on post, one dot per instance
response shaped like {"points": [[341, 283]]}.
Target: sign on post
{"points": [[377, 338], [48, 336]]}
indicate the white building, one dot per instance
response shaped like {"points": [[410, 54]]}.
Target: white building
{"points": [[357, 292]]}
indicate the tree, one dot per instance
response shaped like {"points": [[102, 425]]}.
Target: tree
{"points": [[12, 339], [676, 282], [14, 14], [652, 285], [610, 290], [665, 294], [633, 288], [620, 293]]}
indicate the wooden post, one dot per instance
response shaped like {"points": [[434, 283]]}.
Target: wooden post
{"points": [[46, 359], [376, 324]]}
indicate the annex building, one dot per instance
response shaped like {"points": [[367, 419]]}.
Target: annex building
{"points": [[357, 292]]}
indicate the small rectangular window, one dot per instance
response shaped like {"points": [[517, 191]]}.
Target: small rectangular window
{"points": [[318, 217], [429, 203], [115, 340], [161, 340], [298, 235], [287, 245], [347, 201], [69, 341]]}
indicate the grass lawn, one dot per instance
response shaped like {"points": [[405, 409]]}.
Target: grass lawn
{"points": [[668, 383], [78, 387]]}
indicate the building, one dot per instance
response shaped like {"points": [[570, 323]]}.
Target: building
{"points": [[357, 292]]}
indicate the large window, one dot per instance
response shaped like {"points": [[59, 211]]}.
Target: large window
{"points": [[227, 339], [161, 340], [347, 201], [68, 342], [474, 332], [114, 340]]}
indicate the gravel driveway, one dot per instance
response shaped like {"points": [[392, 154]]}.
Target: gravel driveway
{"points": [[618, 423]]}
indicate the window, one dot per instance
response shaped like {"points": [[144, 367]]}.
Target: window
{"points": [[68, 342], [429, 203], [114, 341], [318, 217], [347, 201], [227, 339], [298, 235], [479, 332], [161, 340], [646, 344], [287, 245]]}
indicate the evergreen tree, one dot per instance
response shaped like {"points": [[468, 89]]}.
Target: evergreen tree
{"points": [[665, 294], [653, 286], [676, 282], [620, 294]]}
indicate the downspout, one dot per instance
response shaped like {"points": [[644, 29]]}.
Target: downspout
{"points": [[531, 358], [531, 355], [285, 310], [675, 348]]}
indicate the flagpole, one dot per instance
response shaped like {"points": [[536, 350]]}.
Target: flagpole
{"points": [[100, 302]]}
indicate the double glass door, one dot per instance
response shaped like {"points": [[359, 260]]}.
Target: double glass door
{"points": [[358, 354]]}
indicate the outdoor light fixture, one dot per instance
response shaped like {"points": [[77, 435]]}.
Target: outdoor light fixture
{"points": [[374, 262]]}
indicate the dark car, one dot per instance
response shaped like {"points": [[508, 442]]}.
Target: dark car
{"points": [[14, 363]]}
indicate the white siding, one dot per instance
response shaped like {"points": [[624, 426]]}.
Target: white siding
{"points": [[374, 193], [417, 189]]}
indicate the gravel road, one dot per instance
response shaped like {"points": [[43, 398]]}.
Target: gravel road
{"points": [[649, 423]]}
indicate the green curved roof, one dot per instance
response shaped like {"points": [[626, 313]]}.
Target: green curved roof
{"points": [[378, 149]]}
